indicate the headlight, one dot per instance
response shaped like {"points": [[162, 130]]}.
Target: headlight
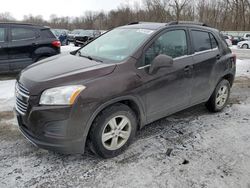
{"points": [[65, 95]]}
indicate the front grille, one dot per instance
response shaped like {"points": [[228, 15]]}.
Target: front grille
{"points": [[22, 98]]}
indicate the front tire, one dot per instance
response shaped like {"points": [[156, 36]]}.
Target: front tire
{"points": [[245, 46], [112, 131], [220, 96]]}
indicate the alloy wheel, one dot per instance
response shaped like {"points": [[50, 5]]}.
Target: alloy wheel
{"points": [[116, 132], [222, 96]]}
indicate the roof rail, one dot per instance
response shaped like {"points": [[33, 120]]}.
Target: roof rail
{"points": [[134, 23], [187, 22]]}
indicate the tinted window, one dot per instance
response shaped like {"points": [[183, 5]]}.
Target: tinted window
{"points": [[201, 41], [172, 43], [117, 44], [47, 33], [22, 34], [214, 42], [2, 34]]}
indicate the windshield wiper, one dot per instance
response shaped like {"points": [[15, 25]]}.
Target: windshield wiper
{"points": [[89, 57]]}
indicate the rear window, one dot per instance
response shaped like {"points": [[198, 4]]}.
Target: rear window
{"points": [[2, 34], [47, 33], [18, 34]]}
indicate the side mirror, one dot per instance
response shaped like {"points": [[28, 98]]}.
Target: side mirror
{"points": [[160, 61]]}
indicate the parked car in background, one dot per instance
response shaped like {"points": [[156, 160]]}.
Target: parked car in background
{"points": [[228, 39], [62, 35], [23, 44], [85, 36], [244, 44], [73, 34], [237, 39], [246, 36], [103, 93]]}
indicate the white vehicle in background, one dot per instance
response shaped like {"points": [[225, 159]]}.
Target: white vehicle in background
{"points": [[244, 44], [246, 36], [228, 40]]}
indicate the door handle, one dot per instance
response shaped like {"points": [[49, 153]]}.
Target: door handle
{"points": [[188, 68], [218, 56]]}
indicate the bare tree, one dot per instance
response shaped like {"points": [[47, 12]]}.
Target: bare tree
{"points": [[178, 6], [222, 14]]}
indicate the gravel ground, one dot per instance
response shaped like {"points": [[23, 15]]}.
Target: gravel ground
{"points": [[193, 148]]}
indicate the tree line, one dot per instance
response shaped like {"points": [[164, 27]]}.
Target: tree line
{"points": [[222, 14]]}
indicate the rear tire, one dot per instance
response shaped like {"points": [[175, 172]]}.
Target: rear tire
{"points": [[220, 96], [112, 131]]}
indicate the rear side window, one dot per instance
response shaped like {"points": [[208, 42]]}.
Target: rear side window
{"points": [[18, 34], [201, 41], [2, 34], [47, 33]]}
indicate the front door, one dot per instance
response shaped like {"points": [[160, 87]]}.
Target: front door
{"points": [[4, 63], [168, 90]]}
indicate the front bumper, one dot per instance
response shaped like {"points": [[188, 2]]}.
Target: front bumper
{"points": [[52, 128]]}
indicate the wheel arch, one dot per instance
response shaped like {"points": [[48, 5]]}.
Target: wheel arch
{"points": [[229, 77], [132, 102]]}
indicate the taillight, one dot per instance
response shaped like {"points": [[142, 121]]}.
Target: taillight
{"points": [[56, 43]]}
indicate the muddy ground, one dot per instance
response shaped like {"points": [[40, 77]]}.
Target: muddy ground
{"points": [[193, 148]]}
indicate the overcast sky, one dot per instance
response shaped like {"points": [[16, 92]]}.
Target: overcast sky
{"points": [[19, 8]]}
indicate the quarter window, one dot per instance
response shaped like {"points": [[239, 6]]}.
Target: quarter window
{"points": [[2, 34], [214, 42], [171, 43], [22, 34]]}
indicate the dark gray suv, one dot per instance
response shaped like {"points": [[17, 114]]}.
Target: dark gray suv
{"points": [[131, 76], [23, 44]]}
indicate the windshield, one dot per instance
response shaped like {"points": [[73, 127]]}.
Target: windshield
{"points": [[76, 31], [85, 32], [116, 45]]}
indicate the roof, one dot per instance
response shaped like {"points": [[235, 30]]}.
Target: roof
{"points": [[24, 24], [145, 25]]}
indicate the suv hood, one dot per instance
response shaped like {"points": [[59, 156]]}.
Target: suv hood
{"points": [[62, 70]]}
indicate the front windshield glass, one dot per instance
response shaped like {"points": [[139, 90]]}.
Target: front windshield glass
{"points": [[116, 45], [85, 32]]}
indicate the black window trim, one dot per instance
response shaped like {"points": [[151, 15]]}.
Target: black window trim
{"points": [[157, 35]]}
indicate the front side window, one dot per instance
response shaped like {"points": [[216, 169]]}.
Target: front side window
{"points": [[116, 45], [2, 34], [22, 34], [171, 43], [201, 41]]}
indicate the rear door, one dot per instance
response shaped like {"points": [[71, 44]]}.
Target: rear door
{"points": [[21, 47], [206, 56], [4, 62]]}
